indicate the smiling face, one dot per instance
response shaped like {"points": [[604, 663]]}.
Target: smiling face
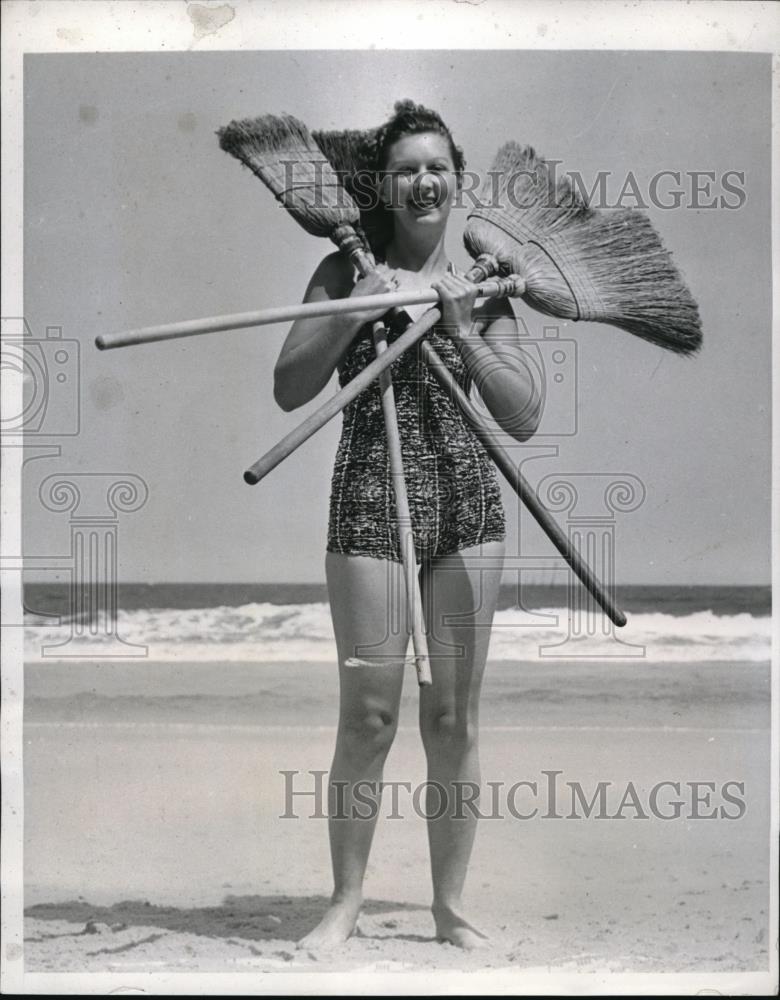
{"points": [[419, 181]]}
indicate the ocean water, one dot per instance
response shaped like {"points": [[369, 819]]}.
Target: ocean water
{"points": [[291, 623]]}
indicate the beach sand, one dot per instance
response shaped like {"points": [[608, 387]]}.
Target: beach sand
{"points": [[154, 839]]}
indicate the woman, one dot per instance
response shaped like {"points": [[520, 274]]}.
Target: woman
{"points": [[456, 509]]}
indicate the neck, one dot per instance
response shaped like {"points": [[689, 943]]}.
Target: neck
{"points": [[426, 256]]}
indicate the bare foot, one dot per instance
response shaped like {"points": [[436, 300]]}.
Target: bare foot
{"points": [[336, 927], [453, 928]]}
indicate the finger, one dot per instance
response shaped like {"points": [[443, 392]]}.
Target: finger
{"points": [[464, 283], [445, 282], [388, 275], [444, 291], [463, 287], [386, 281]]}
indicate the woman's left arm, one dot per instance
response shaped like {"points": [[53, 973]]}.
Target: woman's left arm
{"points": [[487, 338]]}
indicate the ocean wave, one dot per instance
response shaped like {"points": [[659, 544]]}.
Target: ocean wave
{"points": [[303, 632]]}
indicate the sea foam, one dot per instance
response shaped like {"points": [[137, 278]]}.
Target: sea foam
{"points": [[303, 632]]}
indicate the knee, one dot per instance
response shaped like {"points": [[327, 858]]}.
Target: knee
{"points": [[368, 732], [448, 729]]}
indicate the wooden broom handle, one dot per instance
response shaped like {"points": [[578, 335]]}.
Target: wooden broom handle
{"points": [[259, 469], [403, 516], [351, 244], [523, 489], [283, 314], [513, 285]]}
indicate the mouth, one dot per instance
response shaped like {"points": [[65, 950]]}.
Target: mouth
{"points": [[422, 206], [426, 197]]}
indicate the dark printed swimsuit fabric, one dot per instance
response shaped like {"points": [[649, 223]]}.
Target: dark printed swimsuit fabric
{"points": [[454, 496]]}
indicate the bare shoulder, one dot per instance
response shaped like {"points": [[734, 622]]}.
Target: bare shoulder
{"points": [[332, 279]]}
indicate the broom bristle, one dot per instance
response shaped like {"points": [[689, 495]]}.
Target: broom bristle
{"points": [[519, 198], [350, 154], [579, 262], [346, 151], [621, 273], [280, 151]]}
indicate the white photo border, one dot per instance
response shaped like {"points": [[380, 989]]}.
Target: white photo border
{"points": [[63, 26]]}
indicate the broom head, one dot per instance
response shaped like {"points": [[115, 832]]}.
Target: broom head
{"points": [[581, 263], [280, 151]]}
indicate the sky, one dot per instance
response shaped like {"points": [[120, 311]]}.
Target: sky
{"points": [[134, 216]]}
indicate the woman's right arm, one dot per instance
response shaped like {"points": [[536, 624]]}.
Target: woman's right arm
{"points": [[314, 347]]}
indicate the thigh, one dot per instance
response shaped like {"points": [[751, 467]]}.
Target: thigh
{"points": [[368, 608], [460, 593]]}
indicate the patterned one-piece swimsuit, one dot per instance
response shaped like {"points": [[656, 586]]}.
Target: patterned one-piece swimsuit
{"points": [[454, 496]]}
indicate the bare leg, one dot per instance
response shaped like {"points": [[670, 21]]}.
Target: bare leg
{"points": [[460, 600], [366, 595]]}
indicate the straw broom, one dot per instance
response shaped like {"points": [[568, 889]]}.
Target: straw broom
{"points": [[282, 154], [581, 263]]}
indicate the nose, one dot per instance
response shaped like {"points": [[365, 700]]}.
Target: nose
{"points": [[428, 187]]}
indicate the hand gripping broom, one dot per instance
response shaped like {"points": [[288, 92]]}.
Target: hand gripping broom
{"points": [[281, 153]]}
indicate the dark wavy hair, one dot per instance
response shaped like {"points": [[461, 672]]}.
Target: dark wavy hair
{"points": [[409, 118]]}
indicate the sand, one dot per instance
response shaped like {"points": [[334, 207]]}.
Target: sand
{"points": [[154, 839]]}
